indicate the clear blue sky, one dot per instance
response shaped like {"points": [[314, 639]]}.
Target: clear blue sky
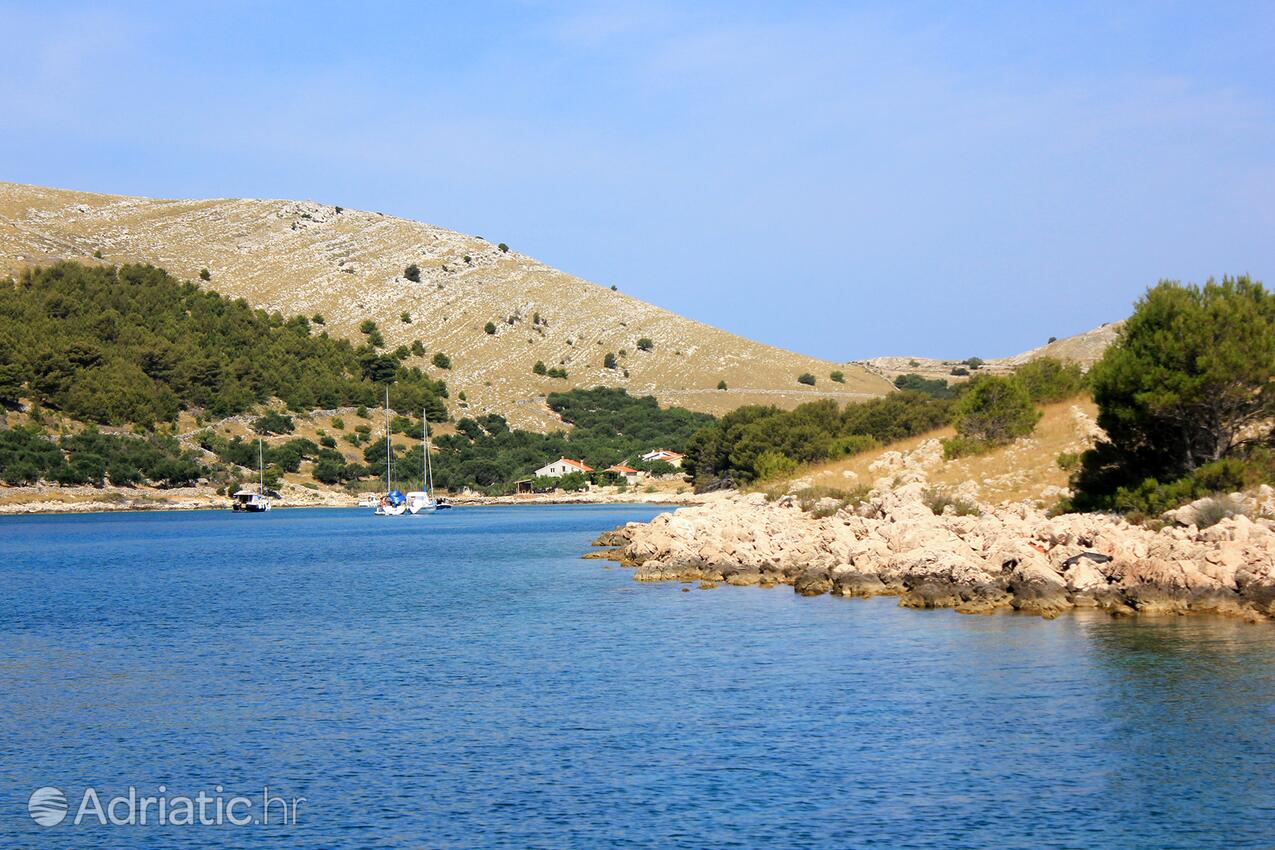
{"points": [[841, 179]]}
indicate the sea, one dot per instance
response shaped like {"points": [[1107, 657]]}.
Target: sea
{"points": [[330, 678]]}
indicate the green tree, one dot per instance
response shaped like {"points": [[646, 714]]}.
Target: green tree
{"points": [[539, 368], [1189, 382], [994, 410], [489, 328], [609, 362], [413, 273], [441, 360], [12, 381], [204, 274], [837, 376], [645, 344], [721, 385], [806, 378]]}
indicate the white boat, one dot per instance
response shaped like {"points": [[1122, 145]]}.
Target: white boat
{"points": [[422, 501], [250, 501], [393, 503]]}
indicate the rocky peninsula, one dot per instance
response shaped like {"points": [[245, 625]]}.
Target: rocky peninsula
{"points": [[1007, 557]]}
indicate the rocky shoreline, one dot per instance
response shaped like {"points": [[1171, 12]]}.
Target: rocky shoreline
{"points": [[85, 499], [1012, 557]]}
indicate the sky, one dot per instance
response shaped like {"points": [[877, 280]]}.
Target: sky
{"points": [[841, 179]]}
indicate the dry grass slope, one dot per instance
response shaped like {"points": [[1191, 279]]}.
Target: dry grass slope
{"points": [[304, 257], [1026, 469]]}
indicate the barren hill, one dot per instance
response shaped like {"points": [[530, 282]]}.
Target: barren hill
{"points": [[1084, 348], [300, 257]]}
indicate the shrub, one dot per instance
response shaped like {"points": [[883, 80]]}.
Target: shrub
{"points": [[504, 249], [413, 273], [958, 446], [645, 344], [557, 372], [959, 371], [367, 326], [806, 378], [274, 423], [441, 360], [1052, 340], [418, 348], [772, 464], [721, 385], [573, 481], [1152, 498], [405, 317], [1068, 461], [1048, 379], [837, 376], [489, 328], [853, 444], [318, 319], [204, 274], [539, 368], [974, 362], [935, 387], [1219, 508], [995, 410], [609, 362], [939, 500]]}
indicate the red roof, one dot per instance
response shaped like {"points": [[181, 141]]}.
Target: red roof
{"points": [[619, 467], [580, 465]]}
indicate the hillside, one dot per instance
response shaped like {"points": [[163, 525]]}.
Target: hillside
{"points": [[300, 257], [1025, 469], [1084, 348]]}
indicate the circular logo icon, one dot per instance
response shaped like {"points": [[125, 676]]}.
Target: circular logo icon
{"points": [[47, 806]]}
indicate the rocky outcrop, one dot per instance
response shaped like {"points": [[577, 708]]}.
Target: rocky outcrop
{"points": [[1012, 557]]}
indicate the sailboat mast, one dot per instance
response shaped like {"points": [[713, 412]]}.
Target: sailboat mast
{"points": [[261, 469], [428, 469], [389, 485]]}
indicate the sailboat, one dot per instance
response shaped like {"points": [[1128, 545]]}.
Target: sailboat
{"points": [[393, 502], [423, 501], [245, 499]]}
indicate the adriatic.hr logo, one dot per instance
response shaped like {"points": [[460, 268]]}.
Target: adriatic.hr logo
{"points": [[48, 807]]}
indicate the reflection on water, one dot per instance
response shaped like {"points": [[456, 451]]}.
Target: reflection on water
{"points": [[467, 680]]}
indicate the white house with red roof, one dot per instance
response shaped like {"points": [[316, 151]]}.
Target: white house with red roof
{"points": [[665, 455], [562, 466]]}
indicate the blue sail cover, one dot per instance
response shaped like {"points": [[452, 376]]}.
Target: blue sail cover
{"points": [[394, 497]]}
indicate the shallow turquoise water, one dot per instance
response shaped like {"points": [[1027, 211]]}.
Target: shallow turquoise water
{"points": [[465, 680]]}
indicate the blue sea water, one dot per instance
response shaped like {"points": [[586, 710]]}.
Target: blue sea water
{"points": [[466, 680]]}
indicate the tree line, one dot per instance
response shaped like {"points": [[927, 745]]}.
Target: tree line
{"points": [[133, 345]]}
